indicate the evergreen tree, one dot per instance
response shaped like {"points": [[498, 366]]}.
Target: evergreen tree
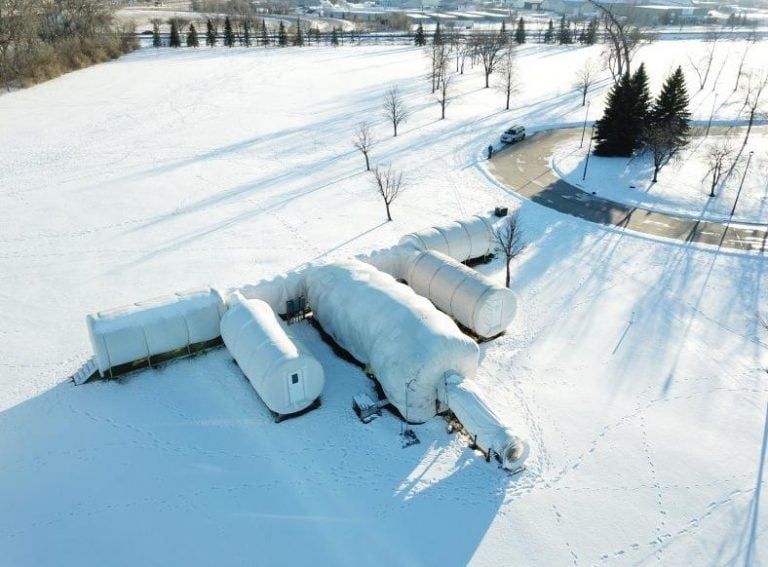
{"points": [[591, 35], [564, 33], [298, 39], [156, 42], [334, 37], [175, 39], [210, 34], [670, 109], [229, 36], [246, 39], [437, 39], [282, 37], [549, 35], [264, 35], [192, 40], [520, 31], [420, 40], [503, 35], [610, 138], [640, 107]]}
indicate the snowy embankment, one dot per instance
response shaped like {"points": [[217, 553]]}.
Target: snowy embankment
{"points": [[635, 368], [683, 186]]}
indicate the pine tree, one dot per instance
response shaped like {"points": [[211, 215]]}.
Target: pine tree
{"points": [[210, 34], [298, 39], [420, 40], [175, 39], [520, 31], [334, 37], [639, 107], [610, 139], [264, 34], [503, 35], [549, 35], [192, 40], [670, 109], [564, 33], [229, 36], [246, 39], [437, 39], [156, 42], [591, 36], [282, 36]]}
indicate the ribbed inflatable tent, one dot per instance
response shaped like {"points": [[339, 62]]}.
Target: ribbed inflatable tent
{"points": [[474, 300], [133, 334], [482, 425], [409, 345], [283, 372], [463, 239]]}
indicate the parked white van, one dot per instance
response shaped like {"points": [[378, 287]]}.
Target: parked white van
{"points": [[513, 134]]}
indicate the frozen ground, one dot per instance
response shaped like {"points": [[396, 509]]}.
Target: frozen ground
{"points": [[636, 368], [683, 184]]}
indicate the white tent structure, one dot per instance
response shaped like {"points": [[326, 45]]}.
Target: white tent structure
{"points": [[133, 334], [283, 372], [463, 239], [484, 427], [475, 301], [409, 345]]}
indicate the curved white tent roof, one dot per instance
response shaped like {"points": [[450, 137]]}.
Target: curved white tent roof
{"points": [[463, 239]]}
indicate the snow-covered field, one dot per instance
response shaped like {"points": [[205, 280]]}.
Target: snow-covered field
{"points": [[636, 368], [684, 183]]}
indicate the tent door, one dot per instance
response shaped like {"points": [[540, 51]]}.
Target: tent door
{"points": [[296, 387]]}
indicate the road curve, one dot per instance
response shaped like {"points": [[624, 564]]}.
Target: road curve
{"points": [[524, 168]]}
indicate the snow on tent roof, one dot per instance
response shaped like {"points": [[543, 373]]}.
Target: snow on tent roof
{"points": [[406, 341]]}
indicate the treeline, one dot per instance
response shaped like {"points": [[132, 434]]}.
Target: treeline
{"points": [[41, 39]]}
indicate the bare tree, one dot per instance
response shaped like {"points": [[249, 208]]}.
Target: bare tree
{"points": [[509, 241], [751, 39], [389, 185], [507, 76], [394, 108], [586, 76], [718, 155], [703, 66], [444, 91], [488, 47], [623, 39], [363, 141], [753, 93], [439, 57]]}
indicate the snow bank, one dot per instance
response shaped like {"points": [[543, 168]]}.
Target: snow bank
{"points": [[468, 296], [483, 426], [283, 372], [461, 239], [409, 345], [155, 326]]}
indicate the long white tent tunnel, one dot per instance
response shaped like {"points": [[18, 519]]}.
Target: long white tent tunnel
{"points": [[484, 427], [135, 333], [474, 300], [462, 240], [284, 373], [404, 339]]}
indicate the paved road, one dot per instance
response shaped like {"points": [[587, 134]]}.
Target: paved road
{"points": [[524, 167]]}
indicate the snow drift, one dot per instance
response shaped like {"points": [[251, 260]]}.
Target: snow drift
{"points": [[137, 332], [462, 239], [283, 372], [474, 300], [409, 345]]}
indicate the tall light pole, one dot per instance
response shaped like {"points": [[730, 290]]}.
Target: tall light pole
{"points": [[711, 115], [743, 177], [584, 129], [589, 150]]}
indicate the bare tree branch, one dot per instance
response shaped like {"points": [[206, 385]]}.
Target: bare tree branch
{"points": [[509, 241], [389, 184], [394, 109], [363, 141]]}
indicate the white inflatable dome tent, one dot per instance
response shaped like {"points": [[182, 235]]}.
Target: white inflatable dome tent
{"points": [[462, 239], [147, 331], [409, 345], [475, 301], [283, 372]]}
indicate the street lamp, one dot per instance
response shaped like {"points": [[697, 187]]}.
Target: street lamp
{"points": [[743, 177], [711, 115], [584, 129], [589, 148]]}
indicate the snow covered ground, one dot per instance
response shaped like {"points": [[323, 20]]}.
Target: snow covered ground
{"points": [[636, 368], [684, 183]]}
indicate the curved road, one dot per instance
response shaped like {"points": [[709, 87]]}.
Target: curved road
{"points": [[524, 167]]}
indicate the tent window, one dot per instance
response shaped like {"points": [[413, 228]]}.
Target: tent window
{"points": [[294, 378]]}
